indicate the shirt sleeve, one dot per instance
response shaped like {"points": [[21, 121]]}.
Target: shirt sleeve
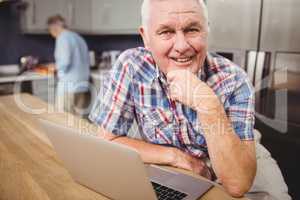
{"points": [[241, 110], [114, 108], [62, 54]]}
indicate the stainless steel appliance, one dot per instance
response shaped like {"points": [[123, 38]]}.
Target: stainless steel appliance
{"points": [[263, 37]]}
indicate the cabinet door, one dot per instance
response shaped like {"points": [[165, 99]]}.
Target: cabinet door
{"points": [[116, 16], [81, 16], [234, 24], [38, 11], [281, 25], [44, 89]]}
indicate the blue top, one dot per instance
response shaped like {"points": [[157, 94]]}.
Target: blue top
{"points": [[72, 63]]}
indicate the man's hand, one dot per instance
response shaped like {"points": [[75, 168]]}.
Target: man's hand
{"points": [[233, 161], [185, 161], [187, 88], [50, 65]]}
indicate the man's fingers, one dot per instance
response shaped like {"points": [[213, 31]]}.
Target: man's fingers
{"points": [[175, 91], [171, 75]]}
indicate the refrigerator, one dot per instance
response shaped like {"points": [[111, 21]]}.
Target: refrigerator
{"points": [[263, 37]]}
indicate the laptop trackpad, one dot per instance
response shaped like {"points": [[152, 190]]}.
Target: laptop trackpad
{"points": [[160, 175]]}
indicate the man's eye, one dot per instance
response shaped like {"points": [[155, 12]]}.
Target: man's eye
{"points": [[192, 30], [165, 32]]}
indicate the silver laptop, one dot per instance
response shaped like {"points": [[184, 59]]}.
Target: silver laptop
{"points": [[117, 171]]}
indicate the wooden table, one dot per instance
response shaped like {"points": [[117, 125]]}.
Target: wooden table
{"points": [[29, 167]]}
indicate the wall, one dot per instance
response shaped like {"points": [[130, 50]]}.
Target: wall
{"points": [[14, 44]]}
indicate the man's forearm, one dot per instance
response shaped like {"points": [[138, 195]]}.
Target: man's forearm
{"points": [[150, 153], [233, 161], [158, 154]]}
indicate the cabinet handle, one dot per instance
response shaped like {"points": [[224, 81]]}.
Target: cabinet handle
{"points": [[33, 12], [71, 13]]}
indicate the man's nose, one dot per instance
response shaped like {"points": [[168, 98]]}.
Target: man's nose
{"points": [[181, 43]]}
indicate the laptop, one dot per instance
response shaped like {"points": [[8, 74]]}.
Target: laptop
{"points": [[117, 171]]}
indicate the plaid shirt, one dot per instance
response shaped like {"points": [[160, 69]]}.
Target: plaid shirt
{"points": [[137, 90]]}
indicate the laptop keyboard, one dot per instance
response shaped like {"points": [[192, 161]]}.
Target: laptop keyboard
{"points": [[166, 193]]}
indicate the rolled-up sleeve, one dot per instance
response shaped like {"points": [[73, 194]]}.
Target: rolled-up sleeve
{"points": [[241, 110], [114, 108]]}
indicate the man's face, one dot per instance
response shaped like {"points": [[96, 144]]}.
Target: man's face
{"points": [[53, 30], [176, 35]]}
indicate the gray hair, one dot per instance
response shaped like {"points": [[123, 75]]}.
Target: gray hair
{"points": [[145, 11]]}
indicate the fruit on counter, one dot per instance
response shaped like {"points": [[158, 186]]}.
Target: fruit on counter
{"points": [[44, 69]]}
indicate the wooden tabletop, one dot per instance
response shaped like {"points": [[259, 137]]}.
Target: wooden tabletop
{"points": [[29, 167]]}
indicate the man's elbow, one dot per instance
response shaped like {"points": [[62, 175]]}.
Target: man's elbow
{"points": [[238, 190], [241, 181], [238, 186]]}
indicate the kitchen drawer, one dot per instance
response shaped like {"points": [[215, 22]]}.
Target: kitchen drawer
{"points": [[42, 86]]}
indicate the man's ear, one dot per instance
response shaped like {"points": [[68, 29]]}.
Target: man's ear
{"points": [[144, 36]]}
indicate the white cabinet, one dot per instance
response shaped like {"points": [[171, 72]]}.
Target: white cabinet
{"points": [[37, 12], [44, 89], [84, 16], [77, 14], [116, 16], [81, 16]]}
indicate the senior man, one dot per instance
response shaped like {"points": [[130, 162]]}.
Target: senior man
{"points": [[191, 107]]}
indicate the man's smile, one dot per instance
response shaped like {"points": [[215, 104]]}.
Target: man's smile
{"points": [[183, 60]]}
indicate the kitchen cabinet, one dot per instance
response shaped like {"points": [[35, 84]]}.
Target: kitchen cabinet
{"points": [[37, 12], [81, 20], [88, 16], [116, 16], [76, 12], [45, 89], [39, 85]]}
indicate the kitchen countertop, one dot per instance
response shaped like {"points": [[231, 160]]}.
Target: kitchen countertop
{"points": [[26, 76], [30, 76]]}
